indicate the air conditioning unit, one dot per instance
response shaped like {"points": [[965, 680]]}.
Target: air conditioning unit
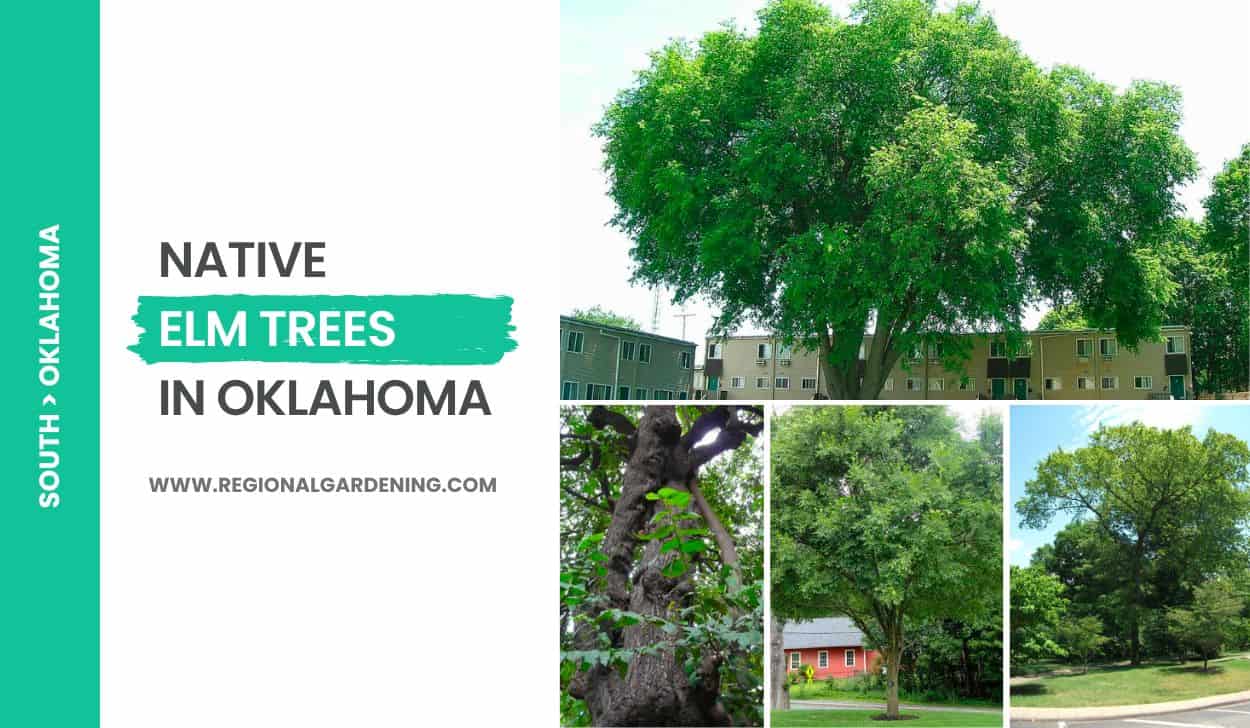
{"points": [[784, 362]]}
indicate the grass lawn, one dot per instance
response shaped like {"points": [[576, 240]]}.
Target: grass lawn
{"points": [[1133, 685], [819, 690], [839, 718]]}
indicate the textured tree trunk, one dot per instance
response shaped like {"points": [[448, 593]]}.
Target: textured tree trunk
{"points": [[780, 687], [654, 690], [893, 658]]}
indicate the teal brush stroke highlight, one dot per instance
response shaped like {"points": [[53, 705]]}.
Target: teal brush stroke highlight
{"points": [[452, 329]]}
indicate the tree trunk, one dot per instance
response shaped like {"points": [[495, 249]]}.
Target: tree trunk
{"points": [[654, 690], [893, 657], [779, 686]]}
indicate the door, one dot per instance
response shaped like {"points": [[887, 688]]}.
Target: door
{"points": [[1177, 383], [998, 388], [1022, 389], [713, 383]]}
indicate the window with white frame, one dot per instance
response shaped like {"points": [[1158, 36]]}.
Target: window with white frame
{"points": [[685, 359], [807, 383], [627, 350], [822, 659], [763, 350], [889, 385], [967, 384], [784, 353], [1110, 382], [1084, 348], [937, 385], [713, 351], [998, 350], [575, 341], [622, 392], [644, 353], [917, 352], [662, 394], [796, 659], [761, 382], [1053, 384], [640, 393], [1143, 382], [1106, 347], [1084, 383], [683, 395], [598, 391], [737, 382], [783, 382], [849, 659], [1176, 345], [568, 390], [913, 384], [935, 353]]}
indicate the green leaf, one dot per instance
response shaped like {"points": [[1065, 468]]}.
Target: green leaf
{"points": [[675, 569], [693, 547]]}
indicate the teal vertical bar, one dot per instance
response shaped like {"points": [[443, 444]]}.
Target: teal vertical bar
{"points": [[50, 556]]}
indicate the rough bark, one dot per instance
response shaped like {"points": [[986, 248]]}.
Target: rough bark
{"points": [[779, 688], [893, 658], [654, 690]]}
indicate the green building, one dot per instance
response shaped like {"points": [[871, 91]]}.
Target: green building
{"points": [[609, 362]]}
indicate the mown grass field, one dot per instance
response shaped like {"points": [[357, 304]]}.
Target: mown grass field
{"points": [[851, 718], [820, 690], [1133, 685]]}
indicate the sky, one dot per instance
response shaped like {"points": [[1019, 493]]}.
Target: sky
{"points": [[1199, 46], [1035, 431]]}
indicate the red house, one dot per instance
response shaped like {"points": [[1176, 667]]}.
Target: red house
{"points": [[833, 646]]}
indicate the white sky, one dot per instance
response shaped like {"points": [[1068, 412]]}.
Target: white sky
{"points": [[1202, 47]]}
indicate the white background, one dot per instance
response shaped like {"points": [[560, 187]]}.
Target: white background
{"points": [[420, 142]]}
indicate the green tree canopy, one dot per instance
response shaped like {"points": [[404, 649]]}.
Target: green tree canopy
{"points": [[600, 315], [907, 172], [1037, 606], [1067, 317], [1205, 625], [1081, 637], [885, 515]]}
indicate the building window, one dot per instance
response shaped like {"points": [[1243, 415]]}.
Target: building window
{"points": [[685, 359], [917, 352], [783, 382], [1084, 383], [935, 353], [574, 343], [1053, 384], [568, 390], [622, 392], [662, 394], [737, 382], [850, 658], [761, 382], [1176, 345], [822, 659], [627, 350], [1106, 347], [1084, 348], [998, 350], [683, 395], [1026, 349], [796, 659], [644, 353], [937, 385], [762, 351], [889, 385], [1143, 382], [598, 391], [783, 353], [1110, 382], [967, 384], [807, 383], [713, 351], [913, 384], [640, 393]]}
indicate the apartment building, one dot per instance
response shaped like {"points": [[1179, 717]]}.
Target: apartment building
{"points": [[1051, 365], [609, 362]]}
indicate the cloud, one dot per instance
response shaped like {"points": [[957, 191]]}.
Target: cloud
{"points": [[1165, 415]]}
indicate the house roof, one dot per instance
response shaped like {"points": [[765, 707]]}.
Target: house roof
{"points": [[823, 632], [620, 330]]}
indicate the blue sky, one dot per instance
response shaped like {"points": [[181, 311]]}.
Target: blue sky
{"points": [[1198, 46], [1038, 430]]}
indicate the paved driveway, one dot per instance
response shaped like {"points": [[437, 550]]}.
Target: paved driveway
{"points": [[1225, 716]]}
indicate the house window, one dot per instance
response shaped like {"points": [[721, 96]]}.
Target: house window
{"points": [[783, 353], [917, 352], [850, 658], [1084, 348], [1026, 349], [1143, 382], [685, 359], [737, 382], [822, 659], [1176, 345], [1084, 383], [1110, 382], [889, 385], [644, 353], [796, 659], [967, 384], [662, 394], [683, 395], [568, 390], [713, 351], [761, 382], [622, 392], [598, 391], [937, 385], [574, 343], [640, 393], [1053, 384], [998, 350], [913, 384], [1106, 347], [762, 351], [783, 382], [627, 350], [935, 353], [807, 383]]}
